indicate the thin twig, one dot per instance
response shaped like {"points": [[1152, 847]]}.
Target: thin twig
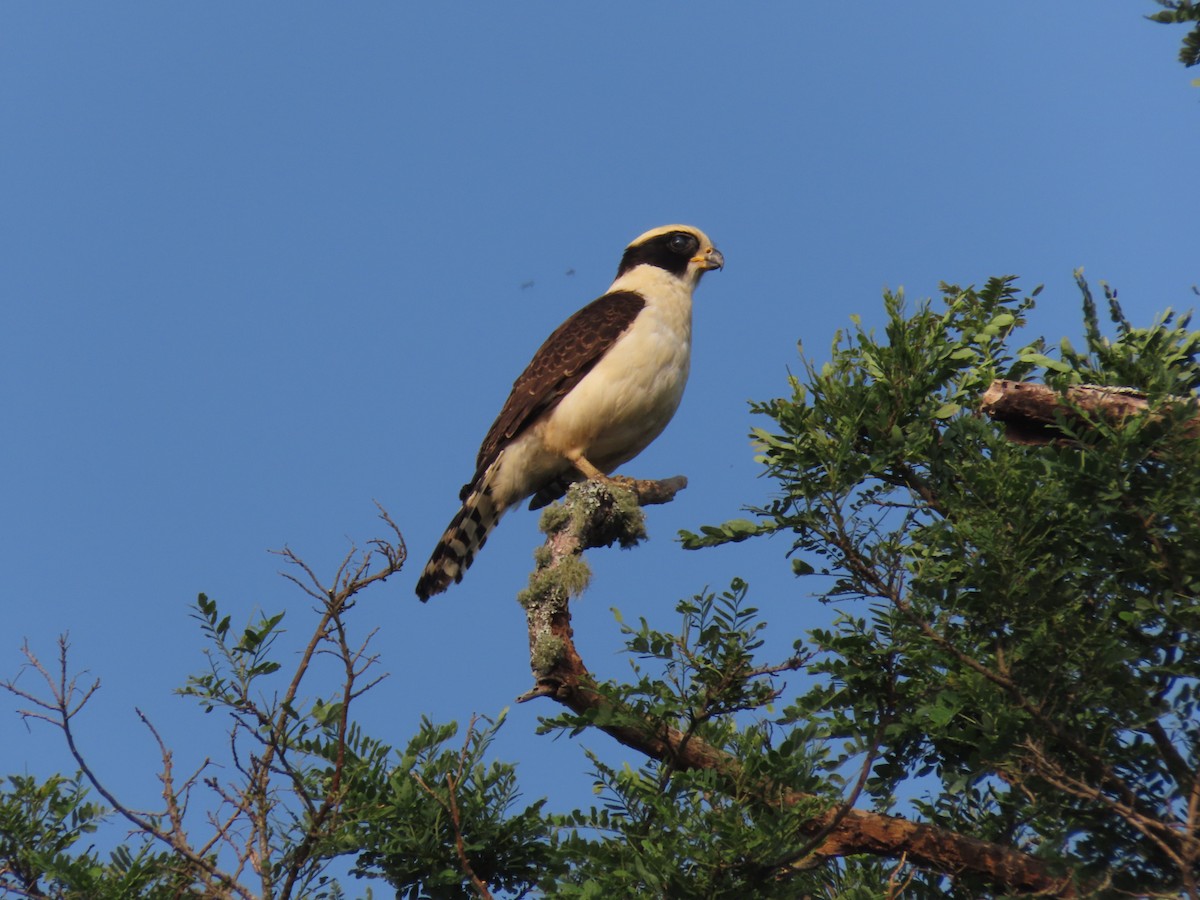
{"points": [[60, 713], [450, 805]]}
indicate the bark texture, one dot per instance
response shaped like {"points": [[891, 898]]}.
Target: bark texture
{"points": [[1037, 413]]}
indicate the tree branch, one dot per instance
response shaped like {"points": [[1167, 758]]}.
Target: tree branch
{"points": [[59, 711], [247, 829], [450, 805], [593, 515], [1034, 413]]}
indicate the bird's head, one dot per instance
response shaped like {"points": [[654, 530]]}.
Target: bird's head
{"points": [[684, 251]]}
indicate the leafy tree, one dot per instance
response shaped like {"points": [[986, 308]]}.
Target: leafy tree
{"points": [[40, 826], [1011, 661], [1018, 624]]}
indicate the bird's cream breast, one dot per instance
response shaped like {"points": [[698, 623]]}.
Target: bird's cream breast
{"points": [[632, 393]]}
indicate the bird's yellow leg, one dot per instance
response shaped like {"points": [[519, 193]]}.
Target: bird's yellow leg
{"points": [[589, 471]]}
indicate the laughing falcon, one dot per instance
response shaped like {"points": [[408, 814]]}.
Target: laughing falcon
{"points": [[597, 392]]}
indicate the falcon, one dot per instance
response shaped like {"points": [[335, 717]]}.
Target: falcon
{"points": [[597, 392]]}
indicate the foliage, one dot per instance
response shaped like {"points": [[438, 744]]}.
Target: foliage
{"points": [[665, 831], [1179, 12], [437, 818], [1020, 623], [40, 826], [1012, 658]]}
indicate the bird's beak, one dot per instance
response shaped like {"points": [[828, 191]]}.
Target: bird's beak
{"points": [[710, 259]]}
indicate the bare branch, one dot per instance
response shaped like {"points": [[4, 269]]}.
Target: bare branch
{"points": [[351, 577], [67, 700], [1032, 413], [244, 821]]}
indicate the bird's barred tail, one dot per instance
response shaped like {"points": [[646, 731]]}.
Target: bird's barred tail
{"points": [[465, 535]]}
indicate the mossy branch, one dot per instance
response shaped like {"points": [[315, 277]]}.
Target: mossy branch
{"points": [[599, 514], [593, 514]]}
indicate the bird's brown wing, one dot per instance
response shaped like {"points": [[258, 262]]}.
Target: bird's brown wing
{"points": [[559, 364]]}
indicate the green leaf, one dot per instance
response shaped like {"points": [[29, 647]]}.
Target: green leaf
{"points": [[946, 410], [800, 567], [1040, 359]]}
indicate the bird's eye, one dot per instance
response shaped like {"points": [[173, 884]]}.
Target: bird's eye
{"points": [[682, 243]]}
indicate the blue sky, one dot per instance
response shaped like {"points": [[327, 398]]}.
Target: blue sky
{"points": [[263, 264]]}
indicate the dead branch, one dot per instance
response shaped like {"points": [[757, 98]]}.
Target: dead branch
{"points": [[65, 702], [353, 575], [243, 822], [1035, 413], [595, 515]]}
